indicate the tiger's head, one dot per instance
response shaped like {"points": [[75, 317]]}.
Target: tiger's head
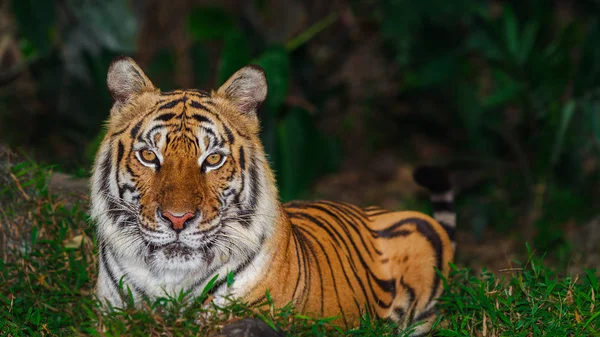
{"points": [[181, 177]]}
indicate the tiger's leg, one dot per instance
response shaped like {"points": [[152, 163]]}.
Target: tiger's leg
{"points": [[411, 311], [418, 327], [424, 325]]}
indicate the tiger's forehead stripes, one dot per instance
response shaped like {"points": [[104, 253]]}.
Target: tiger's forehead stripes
{"points": [[182, 109]]}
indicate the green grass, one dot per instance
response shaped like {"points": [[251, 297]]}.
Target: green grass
{"points": [[47, 288]]}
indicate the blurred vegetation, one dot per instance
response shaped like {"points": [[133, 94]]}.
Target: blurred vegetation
{"points": [[507, 91], [514, 87]]}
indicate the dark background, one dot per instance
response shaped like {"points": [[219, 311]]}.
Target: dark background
{"points": [[504, 93]]}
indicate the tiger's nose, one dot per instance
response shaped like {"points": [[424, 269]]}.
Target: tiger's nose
{"points": [[178, 220]]}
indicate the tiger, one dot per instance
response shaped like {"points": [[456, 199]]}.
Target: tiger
{"points": [[182, 194]]}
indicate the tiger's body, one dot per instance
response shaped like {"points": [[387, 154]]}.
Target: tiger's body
{"points": [[182, 191]]}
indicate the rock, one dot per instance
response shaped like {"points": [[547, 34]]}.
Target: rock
{"points": [[249, 327]]}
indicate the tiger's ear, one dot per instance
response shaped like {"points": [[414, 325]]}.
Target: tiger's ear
{"points": [[247, 89], [125, 79]]}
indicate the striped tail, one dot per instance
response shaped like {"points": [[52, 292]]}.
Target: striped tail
{"points": [[436, 180]]}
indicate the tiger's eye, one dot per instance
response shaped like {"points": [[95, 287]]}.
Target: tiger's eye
{"points": [[148, 156], [214, 159]]}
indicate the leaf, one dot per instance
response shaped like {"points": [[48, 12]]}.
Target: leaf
{"points": [[201, 64], [482, 42], [507, 90], [230, 278], [471, 114], [433, 73], [209, 286], [76, 241], [527, 41], [592, 279], [235, 55], [511, 31], [301, 145], [209, 23], [567, 114], [291, 137], [37, 22], [588, 72], [276, 63], [161, 69]]}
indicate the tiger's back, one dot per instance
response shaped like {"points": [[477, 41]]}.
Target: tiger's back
{"points": [[343, 260]]}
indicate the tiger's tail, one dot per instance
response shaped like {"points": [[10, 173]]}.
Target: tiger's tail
{"points": [[436, 180]]}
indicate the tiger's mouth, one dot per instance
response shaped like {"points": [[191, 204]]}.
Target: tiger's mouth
{"points": [[178, 250]]}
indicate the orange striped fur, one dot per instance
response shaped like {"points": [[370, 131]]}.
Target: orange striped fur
{"points": [[182, 191]]}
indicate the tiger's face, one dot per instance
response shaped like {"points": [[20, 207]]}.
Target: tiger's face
{"points": [[180, 175], [184, 175]]}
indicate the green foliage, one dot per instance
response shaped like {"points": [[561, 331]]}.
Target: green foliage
{"points": [[531, 301], [207, 23], [38, 38], [517, 87]]}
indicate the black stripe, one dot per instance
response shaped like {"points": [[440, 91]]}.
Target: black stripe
{"points": [[197, 92], [230, 137], [425, 228], [393, 232], [126, 187], [210, 132], [253, 185], [425, 315], [137, 74], [409, 289], [240, 268], [305, 267], [200, 118], [449, 229], [105, 172], [386, 285], [298, 252], [111, 275], [400, 313], [120, 132], [355, 212], [257, 301], [120, 152], [136, 129], [165, 117], [114, 211], [242, 159], [376, 213], [337, 295], [172, 104], [340, 262], [439, 206], [146, 136], [130, 282], [172, 93], [338, 211], [130, 171], [198, 105]]}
